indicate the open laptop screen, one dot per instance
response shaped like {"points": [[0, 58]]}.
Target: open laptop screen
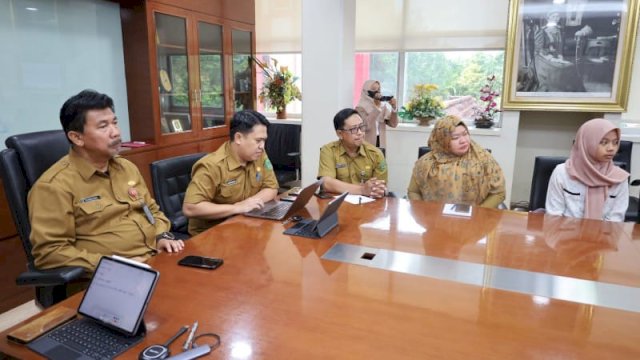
{"points": [[118, 294]]}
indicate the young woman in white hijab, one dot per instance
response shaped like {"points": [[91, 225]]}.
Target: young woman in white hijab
{"points": [[375, 113]]}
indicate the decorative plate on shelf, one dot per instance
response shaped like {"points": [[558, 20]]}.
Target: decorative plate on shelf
{"points": [[164, 80]]}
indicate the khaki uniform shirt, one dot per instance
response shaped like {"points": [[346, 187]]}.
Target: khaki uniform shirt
{"points": [[78, 214], [221, 179], [336, 163]]}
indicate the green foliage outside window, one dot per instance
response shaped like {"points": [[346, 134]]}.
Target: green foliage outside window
{"points": [[455, 73]]}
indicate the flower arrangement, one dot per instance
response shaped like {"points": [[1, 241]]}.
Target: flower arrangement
{"points": [[423, 104], [278, 88], [488, 107]]}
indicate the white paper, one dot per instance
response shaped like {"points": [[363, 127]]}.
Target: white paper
{"points": [[358, 199]]}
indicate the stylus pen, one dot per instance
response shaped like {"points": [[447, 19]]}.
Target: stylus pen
{"points": [[187, 344], [177, 335]]}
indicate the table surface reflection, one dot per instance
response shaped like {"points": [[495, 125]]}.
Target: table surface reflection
{"points": [[276, 298]]}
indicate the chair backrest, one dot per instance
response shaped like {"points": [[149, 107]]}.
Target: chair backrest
{"points": [[282, 140], [542, 169], [27, 156], [623, 157], [283, 148], [170, 179], [423, 150]]}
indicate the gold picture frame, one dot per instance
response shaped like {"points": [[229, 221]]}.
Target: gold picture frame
{"points": [[574, 56]]}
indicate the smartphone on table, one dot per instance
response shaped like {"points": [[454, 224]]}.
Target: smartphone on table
{"points": [[201, 262]]}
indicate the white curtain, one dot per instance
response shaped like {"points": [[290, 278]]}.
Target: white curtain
{"points": [[394, 25], [430, 25], [278, 26]]}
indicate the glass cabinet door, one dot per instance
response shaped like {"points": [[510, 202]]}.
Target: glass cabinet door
{"points": [[242, 77], [173, 72], [211, 92]]}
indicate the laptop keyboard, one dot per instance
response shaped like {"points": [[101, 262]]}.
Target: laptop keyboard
{"points": [[92, 339], [307, 230], [278, 211]]}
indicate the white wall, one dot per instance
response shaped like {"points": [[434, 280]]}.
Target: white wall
{"points": [[53, 53], [328, 68], [542, 134]]}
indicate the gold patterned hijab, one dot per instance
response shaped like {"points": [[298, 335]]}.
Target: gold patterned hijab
{"points": [[466, 179]]}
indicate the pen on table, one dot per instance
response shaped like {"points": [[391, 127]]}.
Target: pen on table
{"points": [[187, 344], [360, 200]]}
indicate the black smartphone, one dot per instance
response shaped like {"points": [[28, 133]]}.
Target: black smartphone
{"points": [[201, 262]]}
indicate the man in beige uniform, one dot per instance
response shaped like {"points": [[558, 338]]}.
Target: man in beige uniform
{"points": [[92, 202], [351, 164], [236, 178]]}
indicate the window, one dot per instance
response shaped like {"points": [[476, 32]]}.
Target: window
{"points": [[456, 73], [382, 66], [294, 63]]}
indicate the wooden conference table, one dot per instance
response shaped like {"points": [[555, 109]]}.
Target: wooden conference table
{"points": [[276, 298]]}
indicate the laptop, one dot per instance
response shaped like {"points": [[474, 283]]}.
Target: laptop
{"points": [[112, 312], [278, 210], [316, 229]]}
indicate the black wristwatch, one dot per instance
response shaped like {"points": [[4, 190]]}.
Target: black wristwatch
{"points": [[165, 235]]}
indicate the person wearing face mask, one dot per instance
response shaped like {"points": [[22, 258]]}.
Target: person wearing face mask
{"points": [[589, 185], [376, 113], [235, 179], [456, 170]]}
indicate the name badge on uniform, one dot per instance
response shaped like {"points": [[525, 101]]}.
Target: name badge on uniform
{"points": [[258, 175], [148, 214], [340, 166], [90, 199], [232, 182]]}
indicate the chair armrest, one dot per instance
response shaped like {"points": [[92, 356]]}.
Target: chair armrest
{"points": [[47, 277], [635, 182], [179, 223]]}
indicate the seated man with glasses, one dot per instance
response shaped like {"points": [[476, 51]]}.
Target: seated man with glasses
{"points": [[352, 164]]}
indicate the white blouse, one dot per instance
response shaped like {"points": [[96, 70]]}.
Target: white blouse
{"points": [[566, 197]]}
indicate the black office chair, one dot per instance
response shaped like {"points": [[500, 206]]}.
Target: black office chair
{"points": [[542, 169], [283, 148], [170, 179], [27, 156], [423, 150], [623, 159]]}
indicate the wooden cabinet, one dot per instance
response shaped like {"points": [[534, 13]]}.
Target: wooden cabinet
{"points": [[188, 68]]}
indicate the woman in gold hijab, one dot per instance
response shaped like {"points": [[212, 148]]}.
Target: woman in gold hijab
{"points": [[456, 170]]}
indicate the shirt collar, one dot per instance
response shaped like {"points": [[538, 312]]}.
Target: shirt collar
{"points": [[232, 162], [343, 150], [85, 168]]}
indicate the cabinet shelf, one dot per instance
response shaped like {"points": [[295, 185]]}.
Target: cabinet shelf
{"points": [[194, 51], [171, 46]]}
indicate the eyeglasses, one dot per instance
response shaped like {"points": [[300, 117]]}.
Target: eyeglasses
{"points": [[354, 130]]}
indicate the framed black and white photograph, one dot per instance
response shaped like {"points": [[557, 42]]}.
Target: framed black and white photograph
{"points": [[571, 55]]}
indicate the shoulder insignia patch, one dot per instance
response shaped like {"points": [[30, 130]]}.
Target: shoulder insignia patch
{"points": [[382, 166], [267, 164]]}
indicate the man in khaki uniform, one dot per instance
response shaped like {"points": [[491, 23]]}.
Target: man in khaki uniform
{"points": [[351, 164], [235, 179], [92, 202]]}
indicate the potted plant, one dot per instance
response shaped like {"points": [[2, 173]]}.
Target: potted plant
{"points": [[488, 108], [278, 88], [423, 106]]}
